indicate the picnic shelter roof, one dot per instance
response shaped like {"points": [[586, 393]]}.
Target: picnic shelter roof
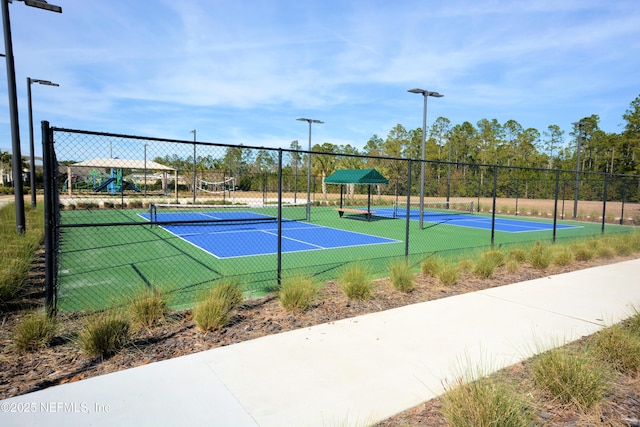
{"points": [[123, 164], [356, 176]]}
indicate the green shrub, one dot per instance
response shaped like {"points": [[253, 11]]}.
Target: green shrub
{"points": [[104, 334], [401, 276], [432, 265], [570, 377], [540, 256], [35, 331], [448, 275], [297, 293], [355, 282], [148, 308]]}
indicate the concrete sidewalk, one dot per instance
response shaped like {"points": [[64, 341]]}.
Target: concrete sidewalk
{"points": [[352, 372]]}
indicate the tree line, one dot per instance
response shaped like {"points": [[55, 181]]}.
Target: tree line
{"points": [[460, 148]]}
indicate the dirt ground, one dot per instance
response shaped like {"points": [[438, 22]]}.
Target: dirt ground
{"points": [[62, 362]]}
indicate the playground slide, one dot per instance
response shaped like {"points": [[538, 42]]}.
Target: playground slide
{"points": [[130, 185], [104, 185]]}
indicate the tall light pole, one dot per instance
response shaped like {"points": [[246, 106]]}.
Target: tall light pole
{"points": [[16, 155], [194, 166], [426, 94], [449, 171], [32, 166], [302, 119], [577, 186]]}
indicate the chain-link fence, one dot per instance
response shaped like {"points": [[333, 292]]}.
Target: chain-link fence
{"points": [[128, 213]]}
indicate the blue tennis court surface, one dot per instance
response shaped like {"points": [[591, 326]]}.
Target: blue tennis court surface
{"points": [[248, 238], [507, 225]]}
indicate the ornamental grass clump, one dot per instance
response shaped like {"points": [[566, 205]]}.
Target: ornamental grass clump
{"points": [[540, 256], [17, 251], [487, 263], [214, 310], [356, 283], [104, 334], [633, 323], [605, 251], [622, 245], [297, 293], [36, 330], [148, 308], [619, 347], [562, 256], [449, 275], [432, 265], [582, 251], [517, 254], [513, 265], [571, 377], [401, 276], [484, 402], [229, 291], [466, 265]]}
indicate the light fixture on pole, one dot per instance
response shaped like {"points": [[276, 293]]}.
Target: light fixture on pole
{"points": [[426, 94], [577, 186], [32, 165], [16, 154], [302, 119]]}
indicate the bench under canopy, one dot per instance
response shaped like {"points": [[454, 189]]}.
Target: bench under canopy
{"points": [[356, 176]]}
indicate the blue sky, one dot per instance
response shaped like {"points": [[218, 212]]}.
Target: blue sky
{"points": [[241, 72]]}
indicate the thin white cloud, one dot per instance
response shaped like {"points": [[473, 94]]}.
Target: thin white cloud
{"points": [[244, 71]]}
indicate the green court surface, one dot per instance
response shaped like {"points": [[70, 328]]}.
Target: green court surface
{"points": [[104, 265]]}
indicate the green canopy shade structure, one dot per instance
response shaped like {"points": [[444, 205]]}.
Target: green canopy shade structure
{"points": [[356, 176]]}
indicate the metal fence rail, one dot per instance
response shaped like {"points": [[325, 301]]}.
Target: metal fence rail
{"points": [[102, 248]]}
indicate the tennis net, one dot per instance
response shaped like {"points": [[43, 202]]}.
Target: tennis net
{"points": [[433, 208], [173, 214]]}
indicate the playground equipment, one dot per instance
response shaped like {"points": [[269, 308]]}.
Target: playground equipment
{"points": [[115, 183]]}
